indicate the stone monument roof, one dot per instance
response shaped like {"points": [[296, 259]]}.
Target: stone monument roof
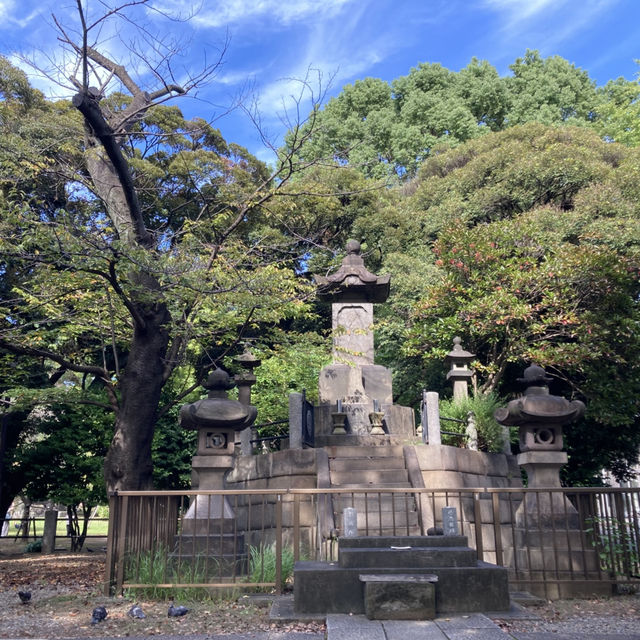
{"points": [[352, 281], [217, 410]]}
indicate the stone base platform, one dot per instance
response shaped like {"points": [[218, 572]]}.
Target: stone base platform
{"points": [[399, 596], [463, 585]]}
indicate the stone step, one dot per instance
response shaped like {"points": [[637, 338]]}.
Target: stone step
{"points": [[414, 557], [196, 545], [376, 502], [349, 464], [350, 451], [381, 486], [369, 477], [360, 542], [391, 531], [329, 588], [374, 520]]}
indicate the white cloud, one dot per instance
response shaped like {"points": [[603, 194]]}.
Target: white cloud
{"points": [[542, 24], [230, 12], [12, 14], [518, 10], [334, 52]]}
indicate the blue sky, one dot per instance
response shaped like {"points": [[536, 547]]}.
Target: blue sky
{"points": [[274, 44]]}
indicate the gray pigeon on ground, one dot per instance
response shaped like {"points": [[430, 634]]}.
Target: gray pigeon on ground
{"points": [[25, 596], [137, 612], [98, 615], [176, 612]]}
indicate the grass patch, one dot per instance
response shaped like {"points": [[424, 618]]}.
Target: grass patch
{"points": [[262, 564], [155, 567]]}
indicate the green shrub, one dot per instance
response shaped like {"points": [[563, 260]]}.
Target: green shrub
{"points": [[34, 547], [490, 433]]}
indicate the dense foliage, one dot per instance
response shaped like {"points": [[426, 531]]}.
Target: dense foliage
{"points": [[387, 130], [511, 219]]}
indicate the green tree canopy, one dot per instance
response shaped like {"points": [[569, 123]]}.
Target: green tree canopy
{"points": [[130, 244], [535, 232], [385, 130]]}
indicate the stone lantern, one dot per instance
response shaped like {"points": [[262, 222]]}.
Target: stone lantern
{"points": [[244, 381], [216, 418], [460, 373], [540, 418]]}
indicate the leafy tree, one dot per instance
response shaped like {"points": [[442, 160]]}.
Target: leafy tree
{"points": [[619, 111], [140, 256], [537, 242], [292, 365], [386, 131], [549, 90], [61, 460]]}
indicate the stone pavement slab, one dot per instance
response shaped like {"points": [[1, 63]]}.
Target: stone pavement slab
{"points": [[410, 629], [342, 626], [551, 635]]}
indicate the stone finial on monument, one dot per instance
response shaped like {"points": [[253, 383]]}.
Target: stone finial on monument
{"points": [[540, 417], [460, 373], [353, 290]]}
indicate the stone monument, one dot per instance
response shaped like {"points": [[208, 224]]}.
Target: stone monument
{"points": [[543, 513], [353, 384]]}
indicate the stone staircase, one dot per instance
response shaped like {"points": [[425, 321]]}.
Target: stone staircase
{"points": [[380, 513]]}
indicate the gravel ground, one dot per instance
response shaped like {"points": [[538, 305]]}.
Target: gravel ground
{"points": [[66, 588], [619, 614]]}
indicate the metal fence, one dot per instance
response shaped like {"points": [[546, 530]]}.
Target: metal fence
{"points": [[32, 528], [587, 537]]}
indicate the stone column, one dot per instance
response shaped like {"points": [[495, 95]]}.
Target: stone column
{"points": [[295, 420], [432, 409]]}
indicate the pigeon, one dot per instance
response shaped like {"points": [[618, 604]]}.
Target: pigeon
{"points": [[137, 612], [25, 596], [176, 612], [98, 615]]}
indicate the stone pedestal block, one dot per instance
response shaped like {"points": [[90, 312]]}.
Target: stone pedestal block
{"points": [[399, 597]]}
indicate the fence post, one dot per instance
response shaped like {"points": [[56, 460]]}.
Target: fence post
{"points": [[477, 517], [112, 528], [296, 527], [431, 403], [49, 532], [295, 420], [123, 514], [279, 544]]}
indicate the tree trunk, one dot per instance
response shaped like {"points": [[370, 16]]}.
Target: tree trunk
{"points": [[128, 463]]}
